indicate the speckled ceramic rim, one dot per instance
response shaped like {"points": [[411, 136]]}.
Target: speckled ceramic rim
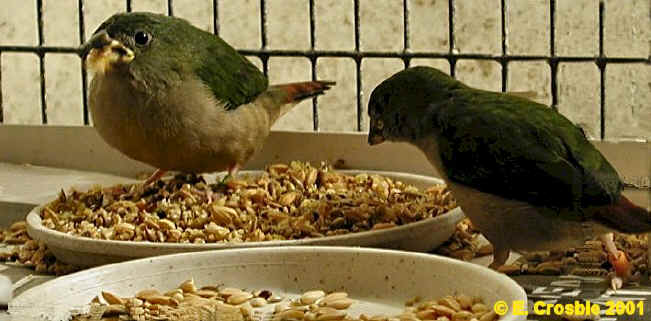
{"points": [[126, 248], [448, 273]]}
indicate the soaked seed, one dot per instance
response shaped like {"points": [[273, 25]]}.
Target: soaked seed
{"points": [[225, 292], [247, 310], [188, 286], [335, 296], [443, 310], [114, 309], [111, 298], [178, 297], [331, 315], [290, 314], [450, 302], [166, 224], [381, 226], [297, 306], [258, 302], [312, 296], [489, 316], [462, 316], [133, 302], [509, 269], [159, 299], [464, 301], [479, 307], [239, 298], [339, 304], [205, 293], [146, 293], [426, 315], [309, 316], [408, 317]]}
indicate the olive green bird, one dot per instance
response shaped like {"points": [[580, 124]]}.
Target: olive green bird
{"points": [[523, 173], [179, 98]]}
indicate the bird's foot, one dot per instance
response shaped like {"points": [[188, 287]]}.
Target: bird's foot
{"points": [[500, 255], [224, 179], [209, 193], [618, 260], [223, 182], [616, 282], [154, 177], [232, 171], [622, 269], [620, 263]]}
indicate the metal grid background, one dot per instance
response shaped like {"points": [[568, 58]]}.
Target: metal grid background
{"points": [[264, 53]]}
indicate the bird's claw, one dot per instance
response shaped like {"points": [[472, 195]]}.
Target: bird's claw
{"points": [[622, 269], [222, 184], [154, 177], [620, 263], [616, 283], [223, 181]]}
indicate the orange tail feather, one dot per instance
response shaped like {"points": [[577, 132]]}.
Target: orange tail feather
{"points": [[298, 91], [624, 216]]}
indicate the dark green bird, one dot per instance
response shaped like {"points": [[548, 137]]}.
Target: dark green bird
{"points": [[523, 173], [179, 98]]}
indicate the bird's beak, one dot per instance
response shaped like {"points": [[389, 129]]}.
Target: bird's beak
{"points": [[375, 137], [102, 53]]}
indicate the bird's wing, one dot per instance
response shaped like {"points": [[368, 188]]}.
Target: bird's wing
{"points": [[522, 150], [233, 79]]}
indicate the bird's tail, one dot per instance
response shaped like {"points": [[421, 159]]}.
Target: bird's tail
{"points": [[284, 97], [624, 216]]}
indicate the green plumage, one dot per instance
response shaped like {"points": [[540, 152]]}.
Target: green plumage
{"points": [[516, 148], [230, 76], [497, 143]]}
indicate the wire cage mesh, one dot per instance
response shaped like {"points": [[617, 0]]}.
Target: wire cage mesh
{"points": [[504, 57]]}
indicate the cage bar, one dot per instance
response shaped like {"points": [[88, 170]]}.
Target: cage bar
{"points": [[451, 57], [504, 62], [215, 16], [358, 67], [41, 60], [553, 63], [315, 109], [1, 109], [406, 54], [263, 38], [84, 74], [601, 63], [405, 31]]}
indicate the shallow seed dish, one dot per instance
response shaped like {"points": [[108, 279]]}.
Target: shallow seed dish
{"points": [[420, 236], [380, 280]]}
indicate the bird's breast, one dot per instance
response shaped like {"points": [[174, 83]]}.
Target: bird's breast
{"points": [[511, 223], [183, 128]]}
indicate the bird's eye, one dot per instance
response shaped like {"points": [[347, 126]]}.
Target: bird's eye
{"points": [[379, 124], [378, 109], [142, 38]]}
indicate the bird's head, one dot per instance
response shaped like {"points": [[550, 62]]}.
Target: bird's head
{"points": [[401, 108], [154, 52], [133, 39]]}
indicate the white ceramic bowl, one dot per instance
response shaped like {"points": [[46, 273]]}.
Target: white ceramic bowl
{"points": [[381, 280], [421, 236]]}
